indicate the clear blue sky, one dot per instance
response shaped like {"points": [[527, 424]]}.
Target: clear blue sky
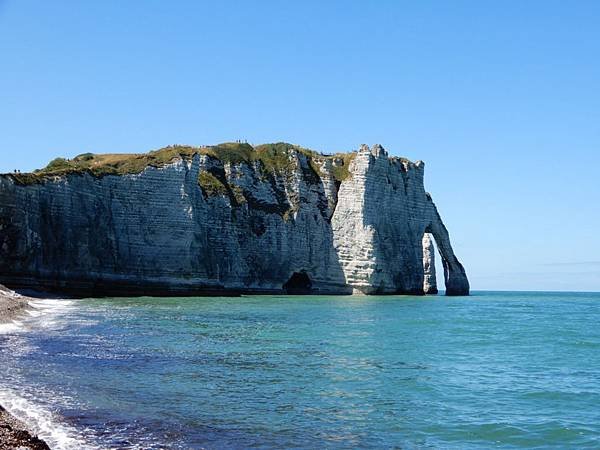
{"points": [[500, 99]]}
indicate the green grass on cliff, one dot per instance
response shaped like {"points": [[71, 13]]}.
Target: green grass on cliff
{"points": [[341, 161], [273, 158], [211, 184]]}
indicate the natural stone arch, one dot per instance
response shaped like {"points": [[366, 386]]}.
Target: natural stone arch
{"points": [[455, 277]]}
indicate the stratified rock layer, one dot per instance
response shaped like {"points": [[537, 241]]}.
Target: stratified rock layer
{"points": [[160, 231]]}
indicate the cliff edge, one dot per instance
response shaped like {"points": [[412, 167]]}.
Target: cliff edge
{"points": [[230, 218]]}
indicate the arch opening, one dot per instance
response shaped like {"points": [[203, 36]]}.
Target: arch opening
{"points": [[299, 283]]}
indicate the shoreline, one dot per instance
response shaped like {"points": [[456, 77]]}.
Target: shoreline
{"points": [[12, 305], [76, 289], [13, 432]]}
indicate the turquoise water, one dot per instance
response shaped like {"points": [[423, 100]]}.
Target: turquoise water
{"points": [[494, 370]]}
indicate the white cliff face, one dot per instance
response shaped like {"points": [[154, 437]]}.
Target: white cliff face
{"points": [[159, 231], [382, 214]]}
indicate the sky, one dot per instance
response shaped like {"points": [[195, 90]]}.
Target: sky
{"points": [[500, 99]]}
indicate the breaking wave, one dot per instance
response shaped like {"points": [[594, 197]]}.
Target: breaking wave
{"points": [[43, 422]]}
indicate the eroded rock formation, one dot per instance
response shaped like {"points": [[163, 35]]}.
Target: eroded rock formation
{"points": [[201, 223], [429, 278]]}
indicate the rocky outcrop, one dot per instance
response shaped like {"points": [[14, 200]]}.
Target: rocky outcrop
{"points": [[429, 277], [204, 224]]}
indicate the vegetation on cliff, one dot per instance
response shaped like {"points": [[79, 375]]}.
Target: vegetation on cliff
{"points": [[271, 158]]}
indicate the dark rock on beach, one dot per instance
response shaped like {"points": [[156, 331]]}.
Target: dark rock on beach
{"points": [[14, 435]]}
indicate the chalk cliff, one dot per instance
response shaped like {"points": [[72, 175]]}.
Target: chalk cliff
{"points": [[225, 219]]}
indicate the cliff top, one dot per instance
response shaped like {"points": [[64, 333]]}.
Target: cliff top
{"points": [[274, 157]]}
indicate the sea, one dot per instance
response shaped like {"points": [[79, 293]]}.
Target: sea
{"points": [[495, 370]]}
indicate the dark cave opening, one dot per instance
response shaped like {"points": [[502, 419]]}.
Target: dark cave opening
{"points": [[299, 283]]}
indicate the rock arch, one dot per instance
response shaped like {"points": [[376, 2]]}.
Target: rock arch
{"points": [[455, 277]]}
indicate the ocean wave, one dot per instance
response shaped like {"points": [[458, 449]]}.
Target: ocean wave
{"points": [[11, 327], [39, 314], [44, 314], [52, 305], [48, 314], [44, 423]]}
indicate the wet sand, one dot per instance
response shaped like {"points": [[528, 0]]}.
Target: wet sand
{"points": [[13, 433]]}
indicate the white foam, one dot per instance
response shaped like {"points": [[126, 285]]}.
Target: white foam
{"points": [[11, 327], [43, 422], [44, 314], [48, 313], [51, 304]]}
